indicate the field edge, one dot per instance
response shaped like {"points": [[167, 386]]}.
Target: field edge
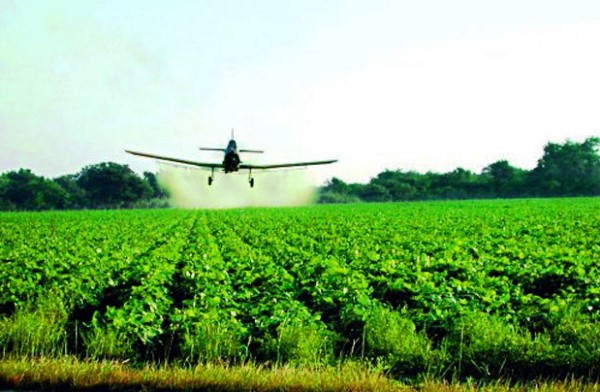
{"points": [[72, 374]]}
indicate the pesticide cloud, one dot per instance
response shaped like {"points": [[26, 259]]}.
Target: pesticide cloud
{"points": [[188, 188]]}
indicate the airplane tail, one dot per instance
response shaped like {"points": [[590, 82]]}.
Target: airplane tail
{"points": [[231, 140]]}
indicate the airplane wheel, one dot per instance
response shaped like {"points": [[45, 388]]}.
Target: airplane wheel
{"points": [[252, 183], [210, 180]]}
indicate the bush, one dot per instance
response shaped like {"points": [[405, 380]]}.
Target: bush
{"points": [[392, 337], [577, 338], [213, 339], [486, 346], [302, 343]]}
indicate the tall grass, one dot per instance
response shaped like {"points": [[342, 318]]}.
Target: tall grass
{"points": [[303, 343], [577, 337], [479, 345], [106, 342], [108, 375], [391, 337], [485, 346], [212, 340], [68, 373], [35, 329]]}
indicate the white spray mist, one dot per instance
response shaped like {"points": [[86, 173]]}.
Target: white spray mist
{"points": [[188, 188]]}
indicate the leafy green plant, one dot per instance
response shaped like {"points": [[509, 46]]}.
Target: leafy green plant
{"points": [[470, 288], [106, 342], [487, 346], [392, 336], [301, 342]]}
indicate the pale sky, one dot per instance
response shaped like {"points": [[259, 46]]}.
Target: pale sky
{"points": [[410, 85]]}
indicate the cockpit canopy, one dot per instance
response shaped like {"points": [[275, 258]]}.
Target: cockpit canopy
{"points": [[232, 145]]}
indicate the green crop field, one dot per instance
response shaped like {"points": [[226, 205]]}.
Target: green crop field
{"points": [[484, 289]]}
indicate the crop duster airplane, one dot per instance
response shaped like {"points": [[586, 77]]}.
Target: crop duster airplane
{"points": [[231, 161]]}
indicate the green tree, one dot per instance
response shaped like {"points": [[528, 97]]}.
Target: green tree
{"points": [[337, 191], [157, 191], [375, 193], [76, 198], [457, 184], [23, 190], [503, 180], [568, 169], [336, 185], [109, 185], [403, 185]]}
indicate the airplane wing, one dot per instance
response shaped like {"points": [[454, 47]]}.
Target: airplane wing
{"points": [[177, 160], [282, 165]]}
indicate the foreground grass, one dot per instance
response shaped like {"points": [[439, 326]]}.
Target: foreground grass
{"points": [[71, 374]]}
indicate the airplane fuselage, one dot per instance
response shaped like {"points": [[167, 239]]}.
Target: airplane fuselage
{"points": [[231, 161]]}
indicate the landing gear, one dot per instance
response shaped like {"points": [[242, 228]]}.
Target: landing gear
{"points": [[250, 178], [210, 178]]}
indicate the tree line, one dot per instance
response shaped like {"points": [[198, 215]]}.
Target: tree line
{"points": [[103, 185], [568, 169]]}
